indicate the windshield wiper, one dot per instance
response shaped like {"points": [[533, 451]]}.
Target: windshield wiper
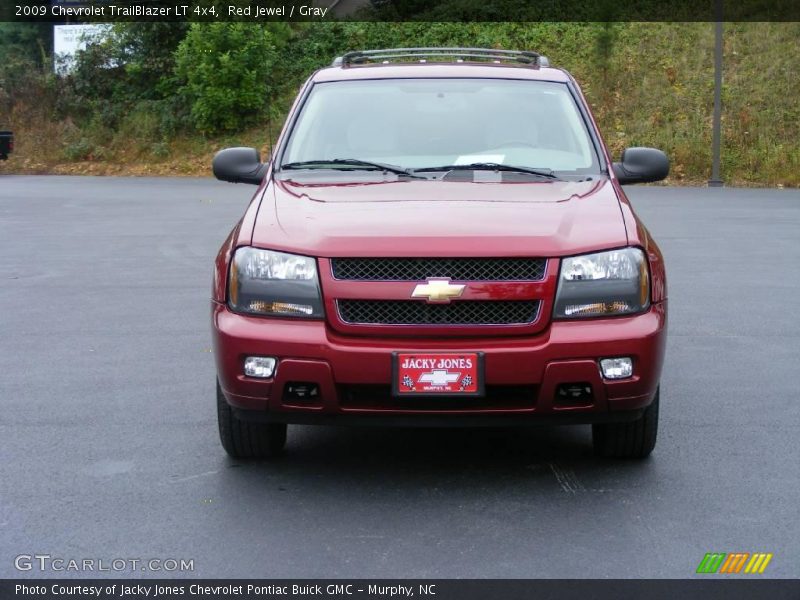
{"points": [[339, 163], [488, 166]]}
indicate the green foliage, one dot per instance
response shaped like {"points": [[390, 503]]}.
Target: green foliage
{"points": [[32, 41], [141, 128], [24, 81], [16, 73], [148, 89], [131, 64], [80, 149], [159, 150], [24, 66], [225, 69], [147, 53]]}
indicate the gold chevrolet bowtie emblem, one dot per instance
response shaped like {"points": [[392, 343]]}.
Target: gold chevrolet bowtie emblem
{"points": [[438, 290]]}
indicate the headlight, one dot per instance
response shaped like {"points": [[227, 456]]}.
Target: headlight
{"points": [[603, 284], [263, 282]]}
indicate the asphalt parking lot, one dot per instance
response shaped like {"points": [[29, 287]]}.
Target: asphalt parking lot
{"points": [[109, 449]]}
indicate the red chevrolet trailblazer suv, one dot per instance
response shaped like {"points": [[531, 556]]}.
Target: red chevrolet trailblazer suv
{"points": [[439, 238]]}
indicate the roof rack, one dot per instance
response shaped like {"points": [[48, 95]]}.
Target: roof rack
{"points": [[459, 55]]}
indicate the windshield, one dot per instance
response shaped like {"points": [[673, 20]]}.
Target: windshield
{"points": [[423, 123]]}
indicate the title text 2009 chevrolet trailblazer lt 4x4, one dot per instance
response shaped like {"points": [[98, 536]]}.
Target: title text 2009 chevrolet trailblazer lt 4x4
{"points": [[439, 238]]}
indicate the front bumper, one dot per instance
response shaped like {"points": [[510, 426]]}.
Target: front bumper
{"points": [[522, 374]]}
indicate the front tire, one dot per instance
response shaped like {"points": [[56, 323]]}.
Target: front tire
{"points": [[242, 439], [635, 439]]}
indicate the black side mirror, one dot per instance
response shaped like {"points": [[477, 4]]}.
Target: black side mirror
{"points": [[641, 165], [239, 165]]}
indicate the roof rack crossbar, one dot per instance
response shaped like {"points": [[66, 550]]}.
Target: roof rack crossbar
{"points": [[364, 59], [361, 57]]}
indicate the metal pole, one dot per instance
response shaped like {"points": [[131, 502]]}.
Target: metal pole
{"points": [[716, 140]]}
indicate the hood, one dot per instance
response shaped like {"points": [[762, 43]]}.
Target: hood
{"points": [[439, 218]]}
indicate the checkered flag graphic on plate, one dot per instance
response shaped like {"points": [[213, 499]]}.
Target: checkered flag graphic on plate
{"points": [[466, 382], [408, 382]]}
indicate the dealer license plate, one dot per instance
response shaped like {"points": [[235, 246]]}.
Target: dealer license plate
{"points": [[437, 374]]}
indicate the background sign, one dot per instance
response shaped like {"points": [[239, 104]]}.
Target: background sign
{"points": [[69, 39]]}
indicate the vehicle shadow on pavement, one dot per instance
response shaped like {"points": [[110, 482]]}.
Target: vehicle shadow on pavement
{"points": [[458, 458], [441, 445]]}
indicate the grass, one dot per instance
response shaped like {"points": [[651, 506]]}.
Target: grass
{"points": [[648, 84]]}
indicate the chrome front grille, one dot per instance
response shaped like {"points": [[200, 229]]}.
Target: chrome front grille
{"points": [[457, 269], [414, 312]]}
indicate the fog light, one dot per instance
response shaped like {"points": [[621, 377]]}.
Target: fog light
{"points": [[617, 368], [259, 366]]}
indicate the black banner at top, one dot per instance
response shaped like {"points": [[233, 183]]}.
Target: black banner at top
{"points": [[110, 11]]}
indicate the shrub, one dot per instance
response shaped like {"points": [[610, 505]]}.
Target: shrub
{"points": [[225, 70], [80, 149], [160, 150]]}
